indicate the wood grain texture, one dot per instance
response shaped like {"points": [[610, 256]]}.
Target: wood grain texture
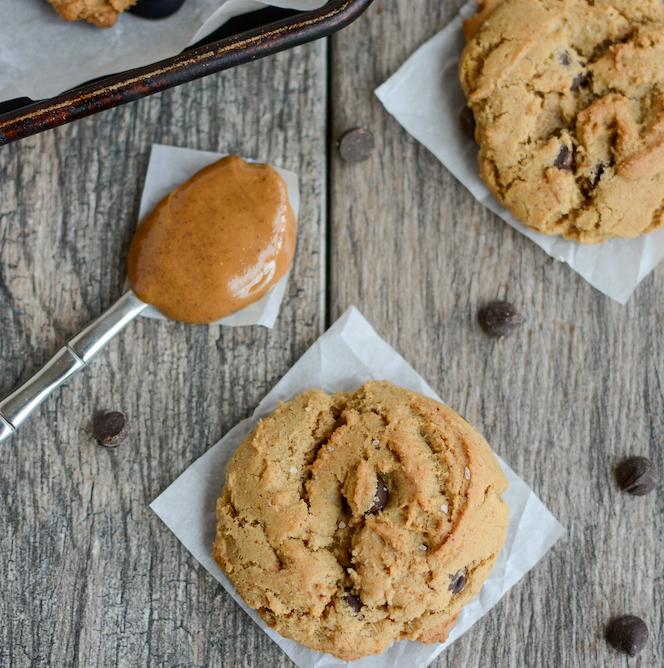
{"points": [[579, 387], [88, 574], [90, 577]]}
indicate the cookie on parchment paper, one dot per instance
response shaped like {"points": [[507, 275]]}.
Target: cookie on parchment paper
{"points": [[353, 520], [568, 99]]}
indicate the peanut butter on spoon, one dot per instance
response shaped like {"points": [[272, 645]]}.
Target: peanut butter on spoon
{"points": [[215, 244]]}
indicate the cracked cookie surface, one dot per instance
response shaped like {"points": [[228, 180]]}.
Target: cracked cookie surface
{"points": [[568, 99], [353, 520], [102, 13]]}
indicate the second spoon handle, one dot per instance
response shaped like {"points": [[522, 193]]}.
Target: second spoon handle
{"points": [[70, 359]]}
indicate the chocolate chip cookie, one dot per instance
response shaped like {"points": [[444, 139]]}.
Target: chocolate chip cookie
{"points": [[352, 520], [102, 13], [568, 99]]}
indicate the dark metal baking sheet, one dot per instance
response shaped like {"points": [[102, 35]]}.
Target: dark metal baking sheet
{"points": [[241, 40]]}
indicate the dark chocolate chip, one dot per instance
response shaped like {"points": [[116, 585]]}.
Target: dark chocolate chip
{"points": [[458, 581], [637, 475], [597, 176], [467, 121], [354, 602], [565, 159], [380, 497], [564, 58], [579, 80], [499, 319], [627, 634], [156, 9], [110, 429], [356, 145]]}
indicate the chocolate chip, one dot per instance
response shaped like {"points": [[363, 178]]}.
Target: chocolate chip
{"points": [[597, 176], [565, 159], [627, 634], [467, 121], [579, 80], [110, 428], [156, 9], [637, 475], [354, 602], [564, 58], [458, 581], [380, 497], [356, 145], [499, 319]]}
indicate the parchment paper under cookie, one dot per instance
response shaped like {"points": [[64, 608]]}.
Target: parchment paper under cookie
{"points": [[347, 355], [41, 55], [425, 97], [169, 167]]}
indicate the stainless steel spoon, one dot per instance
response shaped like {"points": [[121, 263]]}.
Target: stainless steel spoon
{"points": [[75, 355]]}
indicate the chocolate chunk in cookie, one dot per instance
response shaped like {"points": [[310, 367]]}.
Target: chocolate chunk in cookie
{"points": [[458, 581], [381, 496], [354, 602], [565, 159]]}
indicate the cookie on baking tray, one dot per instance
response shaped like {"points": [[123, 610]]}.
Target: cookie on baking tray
{"points": [[102, 13], [353, 520], [568, 99]]}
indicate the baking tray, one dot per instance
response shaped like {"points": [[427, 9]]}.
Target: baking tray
{"points": [[239, 41]]}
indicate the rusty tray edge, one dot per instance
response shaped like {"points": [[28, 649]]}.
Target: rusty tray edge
{"points": [[118, 89]]}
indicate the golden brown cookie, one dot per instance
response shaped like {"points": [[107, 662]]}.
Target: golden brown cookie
{"points": [[102, 13], [568, 99], [353, 520]]}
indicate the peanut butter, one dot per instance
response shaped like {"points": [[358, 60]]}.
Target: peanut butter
{"points": [[215, 244]]}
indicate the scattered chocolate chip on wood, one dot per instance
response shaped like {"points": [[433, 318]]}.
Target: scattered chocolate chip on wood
{"points": [[637, 475], [467, 121], [627, 634], [110, 428], [458, 581], [499, 319], [356, 145], [381, 497], [565, 159], [354, 602]]}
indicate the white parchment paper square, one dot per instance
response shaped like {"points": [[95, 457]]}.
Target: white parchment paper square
{"points": [[425, 96], [347, 355], [169, 167], [41, 55]]}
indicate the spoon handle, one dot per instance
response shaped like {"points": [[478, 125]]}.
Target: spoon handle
{"points": [[71, 358]]}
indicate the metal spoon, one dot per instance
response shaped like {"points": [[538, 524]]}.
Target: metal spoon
{"points": [[69, 360]]}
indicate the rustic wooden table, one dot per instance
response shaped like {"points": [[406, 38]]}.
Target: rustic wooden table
{"points": [[90, 577]]}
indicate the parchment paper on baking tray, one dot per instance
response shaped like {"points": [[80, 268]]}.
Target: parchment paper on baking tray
{"points": [[41, 55], [425, 96], [347, 355]]}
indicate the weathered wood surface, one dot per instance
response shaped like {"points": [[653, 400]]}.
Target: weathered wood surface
{"points": [[90, 577], [578, 388]]}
